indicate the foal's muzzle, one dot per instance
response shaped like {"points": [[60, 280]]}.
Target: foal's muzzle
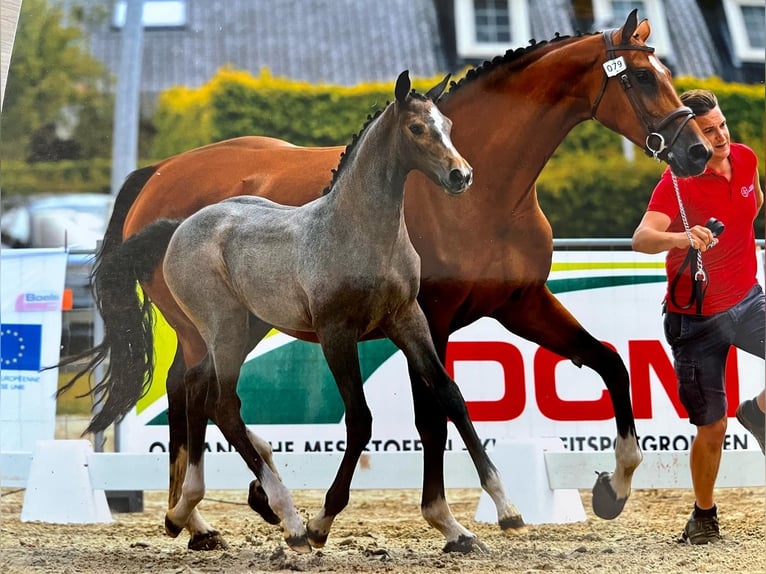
{"points": [[459, 180]]}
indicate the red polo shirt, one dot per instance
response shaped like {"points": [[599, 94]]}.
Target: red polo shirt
{"points": [[731, 264]]}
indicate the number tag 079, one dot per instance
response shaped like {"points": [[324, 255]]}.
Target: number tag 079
{"points": [[614, 67]]}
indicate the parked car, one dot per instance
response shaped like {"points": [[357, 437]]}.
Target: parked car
{"points": [[76, 221]]}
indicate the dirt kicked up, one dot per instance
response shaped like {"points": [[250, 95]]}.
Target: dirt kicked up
{"points": [[382, 531]]}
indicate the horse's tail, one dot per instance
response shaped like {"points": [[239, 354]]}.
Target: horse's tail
{"points": [[127, 342]]}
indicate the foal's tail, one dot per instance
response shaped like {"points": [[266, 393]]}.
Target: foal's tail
{"points": [[127, 318]]}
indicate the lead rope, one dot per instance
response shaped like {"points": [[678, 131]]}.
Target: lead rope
{"points": [[700, 275], [699, 278]]}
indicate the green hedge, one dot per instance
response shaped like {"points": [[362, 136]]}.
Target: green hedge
{"points": [[606, 198], [234, 103]]}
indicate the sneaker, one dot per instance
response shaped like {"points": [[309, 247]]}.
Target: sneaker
{"points": [[753, 420], [702, 530]]}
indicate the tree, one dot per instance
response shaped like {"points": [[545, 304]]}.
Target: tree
{"points": [[57, 101]]}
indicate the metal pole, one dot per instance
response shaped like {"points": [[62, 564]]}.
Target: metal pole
{"points": [[125, 125], [127, 98]]}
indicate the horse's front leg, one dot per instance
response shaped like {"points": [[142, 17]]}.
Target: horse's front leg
{"points": [[340, 351], [431, 383], [539, 317], [431, 424]]}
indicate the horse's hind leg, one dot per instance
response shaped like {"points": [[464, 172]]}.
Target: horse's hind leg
{"points": [[228, 345], [340, 351], [539, 317], [183, 501], [431, 382], [202, 535], [257, 498]]}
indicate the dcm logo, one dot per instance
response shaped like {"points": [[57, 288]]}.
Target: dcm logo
{"points": [[644, 357], [292, 384]]}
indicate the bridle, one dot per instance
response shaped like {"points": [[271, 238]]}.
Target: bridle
{"points": [[655, 144]]}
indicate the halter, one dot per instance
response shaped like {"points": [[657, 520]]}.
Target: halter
{"points": [[654, 145]]}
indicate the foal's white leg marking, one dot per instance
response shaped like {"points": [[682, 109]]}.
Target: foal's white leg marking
{"points": [[505, 508], [627, 457], [281, 503], [263, 448], [196, 525], [439, 516], [192, 491]]}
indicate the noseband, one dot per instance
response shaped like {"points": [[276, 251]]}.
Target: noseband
{"points": [[654, 145]]}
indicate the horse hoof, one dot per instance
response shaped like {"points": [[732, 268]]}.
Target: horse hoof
{"points": [[259, 501], [299, 543], [513, 525], [208, 541], [606, 505], [466, 545], [316, 539], [172, 529]]}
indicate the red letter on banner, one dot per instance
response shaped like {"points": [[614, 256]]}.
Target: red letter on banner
{"points": [[558, 409], [511, 404]]}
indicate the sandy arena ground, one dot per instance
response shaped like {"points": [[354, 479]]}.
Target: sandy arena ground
{"points": [[382, 531]]}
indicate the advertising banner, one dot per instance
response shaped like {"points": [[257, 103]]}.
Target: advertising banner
{"points": [[514, 388], [30, 337]]}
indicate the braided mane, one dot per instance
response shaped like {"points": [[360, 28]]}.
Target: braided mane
{"points": [[510, 56]]}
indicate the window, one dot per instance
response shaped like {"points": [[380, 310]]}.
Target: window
{"points": [[612, 13], [157, 14], [487, 28], [746, 19]]}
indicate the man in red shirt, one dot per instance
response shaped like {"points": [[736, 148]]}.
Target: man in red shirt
{"points": [[708, 310]]}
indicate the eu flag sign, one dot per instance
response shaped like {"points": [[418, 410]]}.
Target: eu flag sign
{"points": [[20, 346]]}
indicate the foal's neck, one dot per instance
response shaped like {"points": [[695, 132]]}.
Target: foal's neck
{"points": [[371, 185]]}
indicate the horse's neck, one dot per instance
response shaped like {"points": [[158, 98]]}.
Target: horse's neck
{"points": [[511, 119]]}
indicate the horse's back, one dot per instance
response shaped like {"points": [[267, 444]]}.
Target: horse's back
{"points": [[271, 168]]}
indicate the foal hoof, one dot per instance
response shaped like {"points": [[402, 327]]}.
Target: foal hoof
{"points": [[299, 543], [208, 541], [513, 525], [172, 529], [605, 502], [466, 545], [316, 539], [259, 501]]}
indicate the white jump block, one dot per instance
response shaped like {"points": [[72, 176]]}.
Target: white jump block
{"points": [[59, 489], [521, 464]]}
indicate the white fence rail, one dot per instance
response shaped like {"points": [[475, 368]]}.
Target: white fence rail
{"points": [[226, 471]]}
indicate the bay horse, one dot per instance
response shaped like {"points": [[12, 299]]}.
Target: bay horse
{"points": [[487, 254], [334, 269]]}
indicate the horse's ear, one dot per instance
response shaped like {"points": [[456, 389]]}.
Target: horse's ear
{"points": [[630, 26], [644, 30], [402, 88], [435, 93]]}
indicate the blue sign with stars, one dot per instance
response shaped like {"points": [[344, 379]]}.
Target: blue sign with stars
{"points": [[20, 346]]}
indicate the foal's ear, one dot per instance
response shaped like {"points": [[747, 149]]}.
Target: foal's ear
{"points": [[402, 88], [435, 93]]}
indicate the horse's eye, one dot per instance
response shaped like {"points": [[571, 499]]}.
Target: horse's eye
{"points": [[417, 129], [645, 77]]}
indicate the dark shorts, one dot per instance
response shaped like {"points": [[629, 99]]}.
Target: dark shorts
{"points": [[700, 346]]}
